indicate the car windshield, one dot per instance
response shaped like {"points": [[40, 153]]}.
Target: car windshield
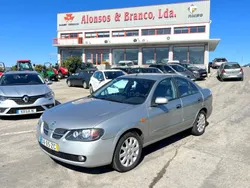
{"points": [[110, 75], [150, 70], [221, 60], [21, 79], [24, 66], [232, 66], [178, 68], [125, 90]]}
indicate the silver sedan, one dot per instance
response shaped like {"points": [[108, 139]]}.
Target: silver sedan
{"points": [[112, 125], [231, 70], [24, 93]]}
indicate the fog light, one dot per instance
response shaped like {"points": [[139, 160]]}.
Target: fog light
{"points": [[81, 158]]}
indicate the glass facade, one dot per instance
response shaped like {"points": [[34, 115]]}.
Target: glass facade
{"points": [[96, 56], [128, 54], [155, 55], [65, 53], [194, 55]]}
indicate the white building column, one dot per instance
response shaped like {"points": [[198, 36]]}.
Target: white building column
{"points": [[170, 53], [140, 57], [206, 57], [110, 57], [59, 56], [83, 56]]}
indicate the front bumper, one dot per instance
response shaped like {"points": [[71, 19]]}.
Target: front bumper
{"points": [[11, 108], [97, 153]]}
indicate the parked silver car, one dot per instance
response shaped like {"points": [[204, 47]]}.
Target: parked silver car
{"points": [[231, 70], [112, 125], [216, 63], [24, 93]]}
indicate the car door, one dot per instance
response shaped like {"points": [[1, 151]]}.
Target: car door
{"points": [[165, 119], [191, 100], [94, 80], [101, 80]]}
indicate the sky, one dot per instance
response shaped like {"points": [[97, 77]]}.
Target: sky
{"points": [[27, 28]]}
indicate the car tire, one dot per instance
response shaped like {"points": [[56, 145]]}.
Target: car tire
{"points": [[117, 163], [69, 83], [60, 75], [200, 123], [242, 79], [84, 85], [91, 89]]}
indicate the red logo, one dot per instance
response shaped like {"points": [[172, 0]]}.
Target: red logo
{"points": [[69, 17]]}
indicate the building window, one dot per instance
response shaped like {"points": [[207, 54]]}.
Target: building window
{"points": [[103, 34], [69, 35], [96, 56], [193, 55], [196, 55], [125, 33], [90, 35], [65, 53], [157, 31], [181, 54], [193, 29], [125, 55], [161, 55], [155, 55]]}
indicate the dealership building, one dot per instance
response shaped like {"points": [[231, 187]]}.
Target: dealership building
{"points": [[144, 35]]}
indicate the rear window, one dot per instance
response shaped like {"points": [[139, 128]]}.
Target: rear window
{"points": [[113, 74], [232, 66], [221, 60]]}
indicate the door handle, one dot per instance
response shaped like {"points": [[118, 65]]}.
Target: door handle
{"points": [[178, 106], [199, 99]]}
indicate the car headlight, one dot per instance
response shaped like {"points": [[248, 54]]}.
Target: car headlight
{"points": [[85, 135], [2, 98], [49, 95]]}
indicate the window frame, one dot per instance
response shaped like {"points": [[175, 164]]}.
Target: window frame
{"points": [[189, 83], [188, 28]]}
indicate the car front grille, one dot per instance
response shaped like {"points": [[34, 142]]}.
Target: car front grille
{"points": [[19, 100], [58, 133], [38, 109]]}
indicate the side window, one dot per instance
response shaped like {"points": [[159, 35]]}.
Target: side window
{"points": [[185, 87], [101, 77], [168, 69], [96, 75], [165, 89]]}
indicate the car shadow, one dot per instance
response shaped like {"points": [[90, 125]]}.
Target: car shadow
{"points": [[146, 151], [24, 117], [229, 80]]}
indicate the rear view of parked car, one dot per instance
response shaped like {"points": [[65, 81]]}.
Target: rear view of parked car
{"points": [[115, 123], [217, 62], [231, 70]]}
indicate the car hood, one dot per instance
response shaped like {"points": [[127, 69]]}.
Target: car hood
{"points": [[21, 90], [83, 113], [187, 73]]}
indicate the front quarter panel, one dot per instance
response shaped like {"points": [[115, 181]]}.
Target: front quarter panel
{"points": [[119, 124], [208, 100]]}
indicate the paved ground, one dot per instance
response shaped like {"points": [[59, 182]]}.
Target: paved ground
{"points": [[219, 158]]}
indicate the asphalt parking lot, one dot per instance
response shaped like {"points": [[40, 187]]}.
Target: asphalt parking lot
{"points": [[219, 158]]}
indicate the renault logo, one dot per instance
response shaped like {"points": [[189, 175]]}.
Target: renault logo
{"points": [[51, 126], [25, 99]]}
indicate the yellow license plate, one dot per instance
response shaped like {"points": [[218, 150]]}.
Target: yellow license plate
{"points": [[49, 144]]}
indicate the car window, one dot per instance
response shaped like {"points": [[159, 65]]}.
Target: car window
{"points": [[232, 66], [113, 74], [185, 87], [100, 76], [96, 75], [168, 69], [165, 89], [178, 68]]}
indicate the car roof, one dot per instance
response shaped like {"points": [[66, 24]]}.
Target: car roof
{"points": [[21, 72], [110, 70], [149, 76], [232, 63]]}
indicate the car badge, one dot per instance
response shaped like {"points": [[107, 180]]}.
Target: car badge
{"points": [[51, 126], [25, 99]]}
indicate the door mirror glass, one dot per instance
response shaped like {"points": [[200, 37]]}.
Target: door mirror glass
{"points": [[161, 100]]}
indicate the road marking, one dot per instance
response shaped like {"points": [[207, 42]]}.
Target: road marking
{"points": [[16, 133]]}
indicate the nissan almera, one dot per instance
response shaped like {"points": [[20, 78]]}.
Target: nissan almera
{"points": [[114, 124]]}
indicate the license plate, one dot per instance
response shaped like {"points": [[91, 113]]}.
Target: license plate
{"points": [[26, 111], [49, 144]]}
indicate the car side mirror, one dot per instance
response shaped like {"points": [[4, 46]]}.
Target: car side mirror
{"points": [[100, 80], [160, 100]]}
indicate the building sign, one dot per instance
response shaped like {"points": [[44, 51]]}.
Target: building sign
{"points": [[157, 15]]}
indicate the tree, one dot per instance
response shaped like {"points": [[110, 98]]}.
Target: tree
{"points": [[13, 68], [38, 67], [71, 63]]}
